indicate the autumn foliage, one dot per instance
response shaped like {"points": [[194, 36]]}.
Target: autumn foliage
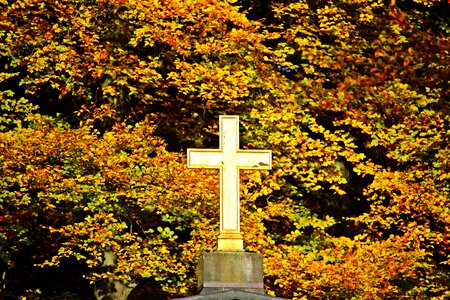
{"points": [[99, 100]]}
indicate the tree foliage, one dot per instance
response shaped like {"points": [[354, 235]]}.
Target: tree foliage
{"points": [[99, 100]]}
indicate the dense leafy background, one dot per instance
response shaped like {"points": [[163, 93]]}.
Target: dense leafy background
{"points": [[99, 100]]}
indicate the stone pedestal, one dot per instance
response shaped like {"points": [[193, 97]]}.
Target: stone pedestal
{"points": [[223, 271], [234, 275]]}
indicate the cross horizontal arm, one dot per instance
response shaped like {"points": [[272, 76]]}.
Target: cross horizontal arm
{"points": [[243, 159], [205, 158], [254, 159]]}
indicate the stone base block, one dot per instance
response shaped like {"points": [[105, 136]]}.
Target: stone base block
{"points": [[223, 271]]}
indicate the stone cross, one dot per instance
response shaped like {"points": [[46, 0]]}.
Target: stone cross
{"points": [[229, 159]]}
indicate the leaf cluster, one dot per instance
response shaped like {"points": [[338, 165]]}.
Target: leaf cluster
{"points": [[100, 99]]}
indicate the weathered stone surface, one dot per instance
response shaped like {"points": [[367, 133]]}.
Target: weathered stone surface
{"points": [[221, 271], [231, 276]]}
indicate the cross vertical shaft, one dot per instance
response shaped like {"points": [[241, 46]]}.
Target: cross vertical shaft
{"points": [[229, 159]]}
